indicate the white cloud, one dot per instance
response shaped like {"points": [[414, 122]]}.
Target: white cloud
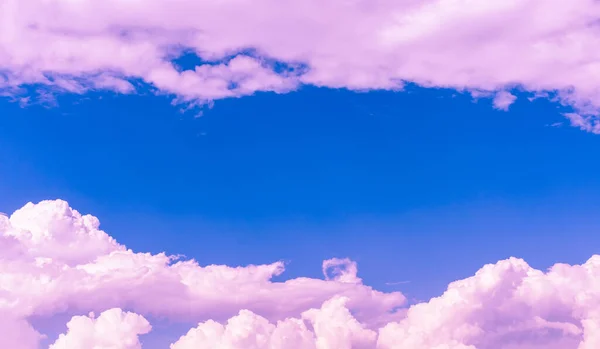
{"points": [[17, 332]]}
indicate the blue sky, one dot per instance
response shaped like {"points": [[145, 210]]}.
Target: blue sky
{"points": [[421, 187], [330, 175]]}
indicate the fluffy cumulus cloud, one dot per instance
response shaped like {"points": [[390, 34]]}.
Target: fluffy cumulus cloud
{"points": [[268, 45], [331, 326], [112, 329], [54, 260]]}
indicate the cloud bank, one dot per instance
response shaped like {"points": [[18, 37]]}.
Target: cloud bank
{"points": [[53, 260], [491, 47]]}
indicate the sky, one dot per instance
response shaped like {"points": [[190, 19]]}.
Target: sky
{"points": [[263, 175]]}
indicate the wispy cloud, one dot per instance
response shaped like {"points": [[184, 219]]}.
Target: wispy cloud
{"points": [[397, 283]]}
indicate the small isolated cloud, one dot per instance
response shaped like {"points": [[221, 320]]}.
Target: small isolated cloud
{"points": [[55, 260], [246, 46], [503, 100], [343, 270]]}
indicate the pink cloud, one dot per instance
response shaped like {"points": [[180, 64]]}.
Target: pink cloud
{"points": [[331, 326], [461, 44], [585, 122], [54, 260], [503, 100], [112, 329]]}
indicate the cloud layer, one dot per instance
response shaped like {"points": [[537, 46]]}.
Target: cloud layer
{"points": [[53, 260], [246, 46]]}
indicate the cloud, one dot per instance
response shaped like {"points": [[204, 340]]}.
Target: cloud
{"points": [[343, 270], [265, 45], [585, 122], [503, 100], [331, 326], [505, 305], [54, 260], [112, 329], [17, 333]]}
